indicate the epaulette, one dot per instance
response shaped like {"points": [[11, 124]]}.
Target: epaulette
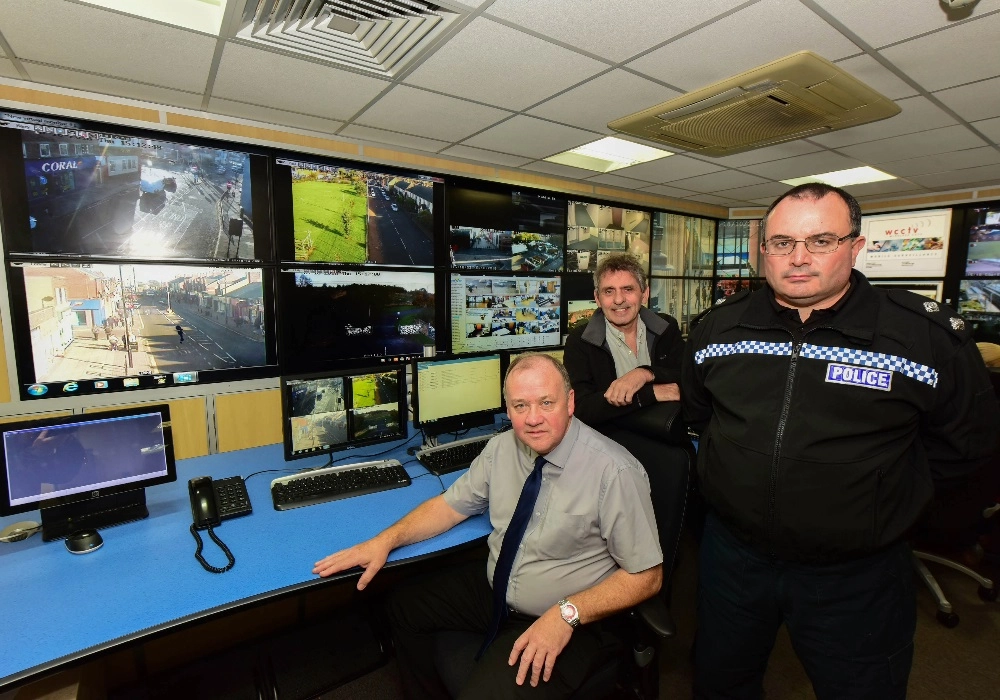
{"points": [[933, 311], [724, 301]]}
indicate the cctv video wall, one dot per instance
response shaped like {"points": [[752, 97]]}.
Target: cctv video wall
{"points": [[137, 259]]}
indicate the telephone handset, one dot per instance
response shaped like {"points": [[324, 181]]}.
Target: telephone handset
{"points": [[211, 503]]}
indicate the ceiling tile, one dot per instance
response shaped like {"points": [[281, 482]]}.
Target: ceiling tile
{"points": [[7, 69], [429, 114], [604, 98], [670, 168], [976, 101], [722, 180], [924, 143], [527, 136], [275, 80], [683, 62], [668, 191], [888, 21], [618, 181], [972, 177], [763, 155], [714, 199], [616, 29], [492, 63], [543, 166], [939, 162], [989, 128], [50, 75], [802, 166], [960, 54], [878, 77], [484, 156], [919, 114], [378, 136], [753, 192], [871, 189], [108, 43], [269, 115]]}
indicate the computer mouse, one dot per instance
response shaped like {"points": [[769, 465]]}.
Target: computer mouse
{"points": [[84, 541]]}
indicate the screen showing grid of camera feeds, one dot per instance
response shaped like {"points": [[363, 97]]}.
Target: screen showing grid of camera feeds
{"points": [[334, 214], [326, 413], [85, 191], [350, 318], [526, 233], [596, 230], [490, 313], [92, 328]]}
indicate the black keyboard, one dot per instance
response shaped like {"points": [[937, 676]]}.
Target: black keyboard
{"points": [[452, 456], [334, 483], [231, 497]]}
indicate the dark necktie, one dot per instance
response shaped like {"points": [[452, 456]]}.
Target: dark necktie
{"points": [[508, 550]]}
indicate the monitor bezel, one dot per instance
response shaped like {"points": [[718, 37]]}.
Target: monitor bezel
{"points": [[452, 424], [286, 417], [163, 409]]}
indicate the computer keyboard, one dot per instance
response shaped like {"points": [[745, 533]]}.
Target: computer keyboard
{"points": [[334, 483], [452, 456], [231, 497]]}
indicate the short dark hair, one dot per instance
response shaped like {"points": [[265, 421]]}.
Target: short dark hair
{"points": [[817, 190], [527, 360], [620, 262]]}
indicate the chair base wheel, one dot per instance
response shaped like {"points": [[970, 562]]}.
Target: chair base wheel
{"points": [[949, 620], [988, 594]]}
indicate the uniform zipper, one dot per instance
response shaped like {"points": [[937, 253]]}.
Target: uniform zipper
{"points": [[778, 437]]}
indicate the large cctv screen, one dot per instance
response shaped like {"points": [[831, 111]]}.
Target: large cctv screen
{"points": [[595, 230], [492, 312]]}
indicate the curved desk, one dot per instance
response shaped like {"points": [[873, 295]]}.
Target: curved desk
{"points": [[58, 607]]}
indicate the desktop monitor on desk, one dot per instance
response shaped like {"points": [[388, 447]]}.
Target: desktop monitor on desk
{"points": [[333, 411], [85, 471], [456, 394]]}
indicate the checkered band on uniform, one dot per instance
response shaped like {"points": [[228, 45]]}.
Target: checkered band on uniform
{"points": [[878, 360], [744, 347]]}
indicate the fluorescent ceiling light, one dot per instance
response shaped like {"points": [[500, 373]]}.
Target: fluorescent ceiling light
{"points": [[844, 178], [607, 154], [199, 15]]}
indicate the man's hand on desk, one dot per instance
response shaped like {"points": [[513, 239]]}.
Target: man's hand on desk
{"points": [[667, 392], [370, 556], [622, 390], [540, 646]]}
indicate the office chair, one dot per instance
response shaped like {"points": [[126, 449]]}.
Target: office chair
{"points": [[632, 673]]}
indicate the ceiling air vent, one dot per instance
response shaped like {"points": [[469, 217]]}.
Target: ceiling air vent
{"points": [[376, 36], [794, 97]]}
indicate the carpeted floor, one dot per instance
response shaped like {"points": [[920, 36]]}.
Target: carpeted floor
{"points": [[950, 664]]}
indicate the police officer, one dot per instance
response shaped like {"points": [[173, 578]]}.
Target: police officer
{"points": [[827, 408]]}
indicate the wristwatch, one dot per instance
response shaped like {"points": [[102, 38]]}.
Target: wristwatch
{"points": [[569, 612]]}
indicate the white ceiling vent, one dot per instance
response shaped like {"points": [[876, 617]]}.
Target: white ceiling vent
{"points": [[794, 97], [377, 36]]}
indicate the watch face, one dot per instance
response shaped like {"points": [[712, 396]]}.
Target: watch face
{"points": [[569, 612]]}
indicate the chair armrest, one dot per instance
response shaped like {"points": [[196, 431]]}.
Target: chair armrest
{"points": [[661, 422], [656, 615]]}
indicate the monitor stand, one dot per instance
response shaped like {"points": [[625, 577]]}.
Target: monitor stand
{"points": [[59, 522]]}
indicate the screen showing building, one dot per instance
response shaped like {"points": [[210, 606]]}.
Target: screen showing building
{"points": [[490, 313], [596, 230]]}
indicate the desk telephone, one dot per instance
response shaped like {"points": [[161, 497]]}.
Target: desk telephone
{"points": [[211, 503]]}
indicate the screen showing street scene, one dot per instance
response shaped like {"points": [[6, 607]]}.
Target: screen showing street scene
{"points": [[100, 321], [983, 259], [102, 194], [979, 299], [354, 216], [331, 316], [490, 249], [375, 412], [503, 313], [317, 412], [596, 230]]}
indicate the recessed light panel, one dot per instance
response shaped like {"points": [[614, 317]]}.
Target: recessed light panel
{"points": [[844, 178], [607, 154], [199, 15]]}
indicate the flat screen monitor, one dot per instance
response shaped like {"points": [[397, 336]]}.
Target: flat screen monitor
{"points": [[334, 411], [92, 328], [344, 318], [491, 249], [87, 190], [456, 393], [983, 257], [85, 471], [492, 312], [329, 213], [595, 230]]}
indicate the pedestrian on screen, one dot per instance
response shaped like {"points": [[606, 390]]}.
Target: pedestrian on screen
{"points": [[180, 332]]}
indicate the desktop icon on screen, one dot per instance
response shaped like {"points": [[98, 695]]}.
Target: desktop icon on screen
{"points": [[70, 387], [101, 384], [130, 381], [185, 377], [38, 390]]}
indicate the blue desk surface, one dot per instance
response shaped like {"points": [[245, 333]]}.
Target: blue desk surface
{"points": [[57, 607]]}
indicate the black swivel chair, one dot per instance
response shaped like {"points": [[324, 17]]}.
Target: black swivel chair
{"points": [[632, 673]]}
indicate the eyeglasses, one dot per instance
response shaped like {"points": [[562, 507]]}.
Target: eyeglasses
{"points": [[820, 244]]}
